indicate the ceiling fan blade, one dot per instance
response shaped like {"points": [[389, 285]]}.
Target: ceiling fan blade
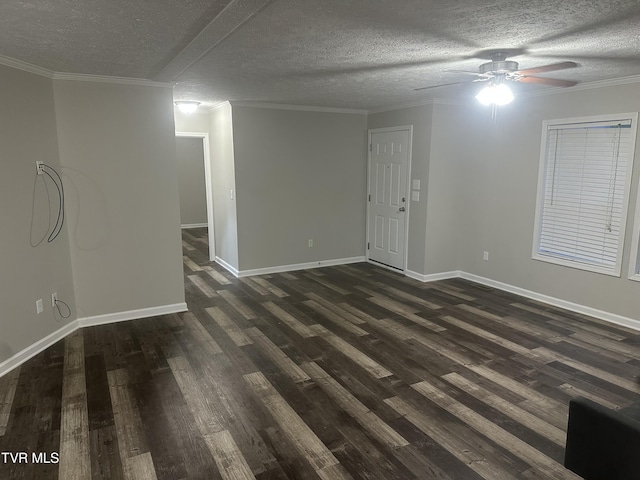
{"points": [[547, 81], [547, 68], [438, 86]]}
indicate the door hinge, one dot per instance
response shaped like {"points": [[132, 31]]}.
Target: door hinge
{"points": [[368, 245], [369, 197]]}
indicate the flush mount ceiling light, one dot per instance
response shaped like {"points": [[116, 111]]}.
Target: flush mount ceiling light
{"points": [[495, 95], [187, 107]]}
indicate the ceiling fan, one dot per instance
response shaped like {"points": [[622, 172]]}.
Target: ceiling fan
{"points": [[499, 71]]}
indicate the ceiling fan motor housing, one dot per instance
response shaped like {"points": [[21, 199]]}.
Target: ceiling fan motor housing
{"points": [[502, 66]]}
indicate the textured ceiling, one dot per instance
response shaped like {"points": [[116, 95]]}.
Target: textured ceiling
{"points": [[362, 54]]}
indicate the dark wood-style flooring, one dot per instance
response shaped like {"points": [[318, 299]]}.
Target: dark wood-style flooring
{"points": [[332, 373]]}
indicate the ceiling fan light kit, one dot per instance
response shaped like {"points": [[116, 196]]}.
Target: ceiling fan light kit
{"points": [[498, 95]]}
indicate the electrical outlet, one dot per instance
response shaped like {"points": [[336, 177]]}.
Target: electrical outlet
{"points": [[310, 242], [485, 256], [39, 167], [54, 299], [39, 306]]}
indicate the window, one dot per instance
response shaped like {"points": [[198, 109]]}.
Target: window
{"points": [[583, 191]]}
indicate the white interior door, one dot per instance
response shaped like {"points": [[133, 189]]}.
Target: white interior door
{"points": [[388, 166]]}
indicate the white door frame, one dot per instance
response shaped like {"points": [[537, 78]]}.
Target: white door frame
{"points": [[208, 187], [371, 131]]}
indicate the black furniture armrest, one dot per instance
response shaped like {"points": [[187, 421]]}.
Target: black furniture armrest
{"points": [[602, 444]]}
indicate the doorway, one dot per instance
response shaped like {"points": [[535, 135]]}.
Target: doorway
{"points": [[206, 162], [387, 206]]}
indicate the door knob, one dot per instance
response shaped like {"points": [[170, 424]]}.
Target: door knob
{"points": [[402, 209]]}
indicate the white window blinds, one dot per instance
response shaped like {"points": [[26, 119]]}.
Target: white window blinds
{"points": [[583, 204]]}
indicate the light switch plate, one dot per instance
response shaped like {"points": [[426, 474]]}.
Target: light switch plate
{"points": [[415, 196], [415, 184]]}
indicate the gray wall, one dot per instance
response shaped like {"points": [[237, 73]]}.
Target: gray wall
{"points": [[191, 180], [223, 181], [482, 184], [499, 185], [421, 119], [198, 122], [28, 273], [444, 201], [117, 148], [300, 175]]}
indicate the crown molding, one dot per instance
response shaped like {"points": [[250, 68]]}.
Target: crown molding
{"points": [[44, 72], [26, 67], [304, 108], [79, 77]]}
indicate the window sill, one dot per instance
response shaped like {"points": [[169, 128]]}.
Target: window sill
{"points": [[579, 266]]}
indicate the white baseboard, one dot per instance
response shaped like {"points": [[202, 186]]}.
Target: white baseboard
{"points": [[41, 345], [557, 302], [37, 347], [193, 225], [227, 266], [433, 277], [299, 266], [131, 315]]}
